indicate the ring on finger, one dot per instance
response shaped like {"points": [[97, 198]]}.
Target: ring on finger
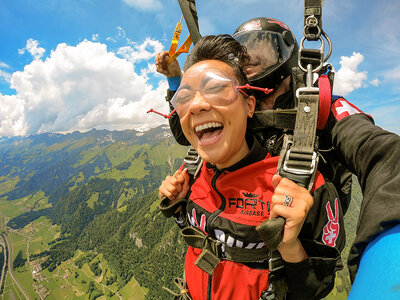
{"points": [[287, 201]]}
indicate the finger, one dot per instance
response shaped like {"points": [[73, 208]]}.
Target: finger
{"points": [[172, 189], [275, 180], [276, 199], [289, 187], [185, 186], [171, 182], [280, 210], [179, 175], [163, 191]]}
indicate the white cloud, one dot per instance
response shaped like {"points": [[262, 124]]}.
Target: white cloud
{"points": [[4, 65], [375, 82], [121, 32], [12, 116], [33, 48], [5, 75], [78, 88], [348, 78], [145, 4], [95, 37], [145, 51]]}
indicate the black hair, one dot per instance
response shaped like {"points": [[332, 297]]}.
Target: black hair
{"points": [[223, 48]]}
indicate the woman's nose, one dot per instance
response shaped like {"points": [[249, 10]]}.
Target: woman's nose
{"points": [[199, 103]]}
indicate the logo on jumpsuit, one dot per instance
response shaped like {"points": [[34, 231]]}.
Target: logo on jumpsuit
{"points": [[331, 229], [249, 204]]}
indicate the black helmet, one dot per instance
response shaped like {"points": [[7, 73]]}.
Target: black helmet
{"points": [[272, 48]]}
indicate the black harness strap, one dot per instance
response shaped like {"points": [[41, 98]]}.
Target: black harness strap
{"points": [[280, 118], [188, 8], [213, 251]]}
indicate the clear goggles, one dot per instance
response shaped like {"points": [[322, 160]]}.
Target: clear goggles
{"points": [[214, 86]]}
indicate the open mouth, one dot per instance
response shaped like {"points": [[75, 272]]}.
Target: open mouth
{"points": [[208, 131]]}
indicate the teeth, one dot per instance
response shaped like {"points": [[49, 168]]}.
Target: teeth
{"points": [[207, 126]]}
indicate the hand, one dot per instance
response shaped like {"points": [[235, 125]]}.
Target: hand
{"points": [[175, 187], [295, 215], [170, 70]]}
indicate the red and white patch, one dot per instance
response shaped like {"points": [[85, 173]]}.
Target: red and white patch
{"points": [[254, 25], [342, 108], [331, 229], [283, 25]]}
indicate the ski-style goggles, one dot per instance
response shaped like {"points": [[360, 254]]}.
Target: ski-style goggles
{"points": [[214, 86]]}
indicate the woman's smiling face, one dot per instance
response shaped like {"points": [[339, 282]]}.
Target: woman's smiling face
{"points": [[217, 132]]}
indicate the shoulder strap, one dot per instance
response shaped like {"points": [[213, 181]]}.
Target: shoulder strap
{"points": [[298, 158]]}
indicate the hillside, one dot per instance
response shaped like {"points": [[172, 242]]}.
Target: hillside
{"points": [[81, 208], [99, 189]]}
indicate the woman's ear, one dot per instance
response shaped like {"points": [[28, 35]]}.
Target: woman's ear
{"points": [[251, 104]]}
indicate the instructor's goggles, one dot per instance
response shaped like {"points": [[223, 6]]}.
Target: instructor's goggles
{"points": [[214, 86]]}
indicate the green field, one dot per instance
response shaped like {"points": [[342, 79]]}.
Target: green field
{"points": [[67, 281], [10, 291], [35, 201]]}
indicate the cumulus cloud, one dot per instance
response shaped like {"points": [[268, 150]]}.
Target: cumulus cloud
{"points": [[33, 48], [12, 116], [78, 88], [143, 51], [145, 4], [348, 78]]}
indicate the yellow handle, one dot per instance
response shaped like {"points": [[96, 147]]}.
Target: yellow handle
{"points": [[175, 39], [182, 49]]}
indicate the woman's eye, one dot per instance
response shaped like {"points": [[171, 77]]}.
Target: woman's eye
{"points": [[184, 96], [214, 88]]}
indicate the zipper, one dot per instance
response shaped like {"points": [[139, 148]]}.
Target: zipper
{"points": [[209, 288], [215, 214]]}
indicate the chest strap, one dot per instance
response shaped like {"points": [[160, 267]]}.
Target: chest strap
{"points": [[213, 251]]}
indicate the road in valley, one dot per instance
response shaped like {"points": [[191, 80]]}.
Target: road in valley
{"points": [[9, 250], [3, 269]]}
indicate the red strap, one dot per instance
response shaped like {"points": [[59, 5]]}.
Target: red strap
{"points": [[325, 96]]}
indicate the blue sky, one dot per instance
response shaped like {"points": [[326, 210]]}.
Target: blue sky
{"points": [[82, 64]]}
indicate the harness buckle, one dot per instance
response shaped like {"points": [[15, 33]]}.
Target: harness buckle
{"points": [[275, 264], [298, 171], [192, 159]]}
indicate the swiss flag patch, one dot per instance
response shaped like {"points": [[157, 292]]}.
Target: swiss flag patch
{"points": [[342, 108]]}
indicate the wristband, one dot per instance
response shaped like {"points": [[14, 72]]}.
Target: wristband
{"points": [[174, 82]]}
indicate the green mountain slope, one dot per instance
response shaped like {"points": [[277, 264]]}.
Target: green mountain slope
{"points": [[100, 188], [83, 206]]}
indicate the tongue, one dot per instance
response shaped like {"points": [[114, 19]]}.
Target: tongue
{"points": [[210, 134]]}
